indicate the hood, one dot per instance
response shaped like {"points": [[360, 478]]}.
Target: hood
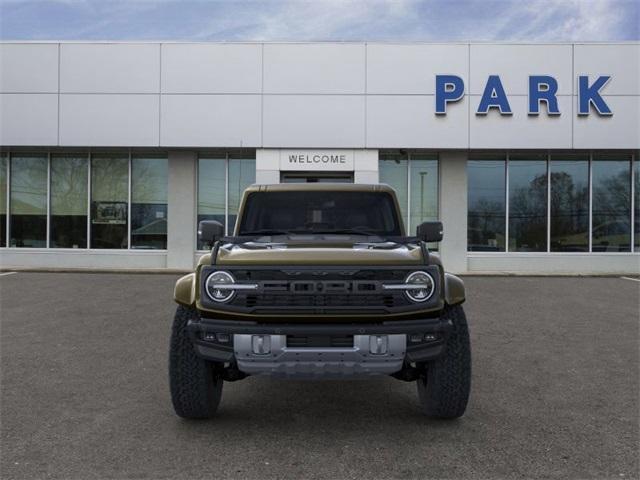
{"points": [[319, 250]]}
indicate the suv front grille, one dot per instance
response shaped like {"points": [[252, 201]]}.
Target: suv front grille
{"points": [[320, 341], [323, 300]]}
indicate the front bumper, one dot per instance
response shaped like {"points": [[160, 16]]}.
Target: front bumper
{"points": [[264, 349]]}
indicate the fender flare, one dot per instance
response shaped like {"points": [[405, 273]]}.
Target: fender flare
{"points": [[454, 292], [184, 292]]}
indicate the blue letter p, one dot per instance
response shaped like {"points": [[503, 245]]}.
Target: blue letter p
{"points": [[449, 88]]}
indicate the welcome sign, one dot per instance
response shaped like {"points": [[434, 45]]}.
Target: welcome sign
{"points": [[317, 160]]}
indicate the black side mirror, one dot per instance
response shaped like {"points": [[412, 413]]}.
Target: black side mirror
{"points": [[209, 231], [429, 231]]}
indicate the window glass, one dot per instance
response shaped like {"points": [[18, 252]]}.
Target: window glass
{"points": [[109, 197], [486, 204], [28, 201], [393, 171], [611, 229], [424, 190], [3, 199], [211, 191], [69, 201], [149, 177], [242, 173], [569, 203], [636, 201], [528, 203]]}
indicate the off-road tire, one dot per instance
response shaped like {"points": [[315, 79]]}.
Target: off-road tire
{"points": [[443, 387], [196, 385]]}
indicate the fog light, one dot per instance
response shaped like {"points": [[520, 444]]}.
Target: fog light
{"points": [[261, 344], [430, 337], [378, 344], [209, 337]]}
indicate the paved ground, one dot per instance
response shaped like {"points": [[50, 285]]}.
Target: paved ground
{"points": [[84, 392]]}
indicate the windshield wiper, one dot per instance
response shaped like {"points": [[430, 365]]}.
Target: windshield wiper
{"points": [[348, 231], [266, 231]]}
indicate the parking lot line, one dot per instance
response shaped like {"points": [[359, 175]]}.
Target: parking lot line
{"points": [[632, 279], [7, 273]]}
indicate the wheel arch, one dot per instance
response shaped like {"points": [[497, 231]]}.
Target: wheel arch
{"points": [[454, 291], [184, 292]]}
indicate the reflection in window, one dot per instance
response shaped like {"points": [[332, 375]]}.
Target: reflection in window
{"points": [[3, 199], [109, 196], [149, 177], [424, 190], [611, 231], [211, 188], [569, 203], [528, 203], [636, 201], [28, 201], [69, 201], [393, 172], [486, 203], [242, 173]]}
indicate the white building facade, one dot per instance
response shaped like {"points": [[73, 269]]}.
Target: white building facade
{"points": [[110, 153]]}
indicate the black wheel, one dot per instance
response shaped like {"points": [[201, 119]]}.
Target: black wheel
{"points": [[443, 388], [196, 385]]}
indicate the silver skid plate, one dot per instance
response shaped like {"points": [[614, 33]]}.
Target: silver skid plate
{"points": [[276, 359]]}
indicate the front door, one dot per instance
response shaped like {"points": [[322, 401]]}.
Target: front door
{"points": [[313, 177]]}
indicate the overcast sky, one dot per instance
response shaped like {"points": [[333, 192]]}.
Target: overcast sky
{"points": [[293, 20]]}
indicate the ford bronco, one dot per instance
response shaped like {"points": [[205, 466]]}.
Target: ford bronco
{"points": [[319, 281]]}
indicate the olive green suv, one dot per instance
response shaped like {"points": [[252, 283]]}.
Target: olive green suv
{"points": [[319, 281]]}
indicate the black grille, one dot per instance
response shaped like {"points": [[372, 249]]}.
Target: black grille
{"points": [[331, 300], [321, 341]]}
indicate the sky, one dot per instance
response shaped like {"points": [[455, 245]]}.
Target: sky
{"points": [[321, 20]]}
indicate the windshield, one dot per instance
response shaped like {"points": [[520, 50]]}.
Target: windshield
{"points": [[365, 213]]}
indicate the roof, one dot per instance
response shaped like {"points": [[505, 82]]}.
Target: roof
{"points": [[334, 187]]}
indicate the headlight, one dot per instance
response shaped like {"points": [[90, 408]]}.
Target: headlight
{"points": [[214, 286], [425, 286]]}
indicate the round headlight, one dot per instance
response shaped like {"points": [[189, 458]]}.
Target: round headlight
{"points": [[425, 286], [214, 286]]}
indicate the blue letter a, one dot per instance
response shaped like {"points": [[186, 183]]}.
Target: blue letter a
{"points": [[494, 97]]}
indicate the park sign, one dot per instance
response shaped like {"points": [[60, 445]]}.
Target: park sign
{"points": [[542, 90]]}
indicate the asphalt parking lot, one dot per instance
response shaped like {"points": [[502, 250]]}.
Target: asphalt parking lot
{"points": [[84, 394]]}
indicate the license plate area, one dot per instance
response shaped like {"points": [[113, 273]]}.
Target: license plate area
{"points": [[320, 341]]}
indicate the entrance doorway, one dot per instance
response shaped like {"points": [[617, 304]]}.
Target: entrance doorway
{"points": [[316, 177]]}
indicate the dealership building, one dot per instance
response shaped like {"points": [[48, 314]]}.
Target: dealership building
{"points": [[110, 153]]}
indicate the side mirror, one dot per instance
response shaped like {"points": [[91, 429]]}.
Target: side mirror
{"points": [[209, 231], [429, 231]]}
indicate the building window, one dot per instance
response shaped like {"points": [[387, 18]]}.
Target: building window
{"points": [[28, 203], [636, 202], [4, 165], [486, 203], [222, 177], [109, 201], [569, 209], [414, 177], [149, 184], [611, 187], [68, 210]]}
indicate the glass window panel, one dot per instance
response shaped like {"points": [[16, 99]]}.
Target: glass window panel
{"points": [[69, 201], [487, 205], [28, 201], [424, 190], [528, 203], [611, 230], [393, 171], [242, 173], [636, 201], [569, 203], [3, 199], [211, 192], [109, 197], [149, 185]]}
